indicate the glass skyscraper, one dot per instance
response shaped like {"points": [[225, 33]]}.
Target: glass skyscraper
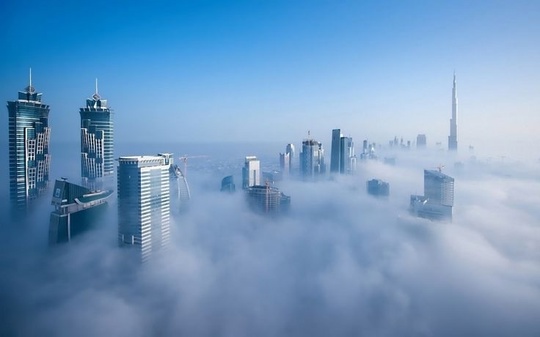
{"points": [[143, 203], [342, 158], [29, 158], [312, 159], [97, 139], [336, 151]]}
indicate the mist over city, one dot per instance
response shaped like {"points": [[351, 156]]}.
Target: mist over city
{"points": [[196, 168]]}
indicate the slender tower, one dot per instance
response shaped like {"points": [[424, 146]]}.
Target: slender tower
{"points": [[97, 152], [452, 139], [29, 159]]}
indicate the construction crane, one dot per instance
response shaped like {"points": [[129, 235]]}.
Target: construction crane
{"points": [[185, 158]]}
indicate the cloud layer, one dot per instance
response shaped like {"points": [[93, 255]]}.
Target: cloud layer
{"points": [[341, 263]]}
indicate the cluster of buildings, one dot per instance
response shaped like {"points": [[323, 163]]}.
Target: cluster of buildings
{"points": [[148, 186]]}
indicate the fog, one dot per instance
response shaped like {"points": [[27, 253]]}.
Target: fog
{"points": [[340, 263]]}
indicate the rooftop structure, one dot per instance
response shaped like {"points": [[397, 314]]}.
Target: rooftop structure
{"points": [[76, 208]]}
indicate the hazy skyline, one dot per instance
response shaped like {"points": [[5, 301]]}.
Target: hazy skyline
{"points": [[205, 71], [341, 263]]}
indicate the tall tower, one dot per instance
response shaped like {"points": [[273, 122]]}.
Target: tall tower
{"points": [[335, 155], [312, 159], [251, 172], [347, 159], [29, 158], [286, 160], [143, 203], [452, 139], [439, 188], [97, 151]]}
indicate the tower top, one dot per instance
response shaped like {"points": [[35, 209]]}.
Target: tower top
{"points": [[30, 88], [96, 96]]}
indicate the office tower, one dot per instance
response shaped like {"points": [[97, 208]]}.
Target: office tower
{"points": [[286, 160], [284, 163], [420, 141], [378, 188], [267, 199], [342, 158], [438, 199], [143, 203], [97, 140], [312, 159], [29, 158], [251, 172], [439, 187], [347, 158], [227, 184], [452, 139], [76, 208], [335, 155], [289, 149]]}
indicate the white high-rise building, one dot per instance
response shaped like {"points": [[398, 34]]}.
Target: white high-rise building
{"points": [[251, 172], [438, 199], [143, 203]]}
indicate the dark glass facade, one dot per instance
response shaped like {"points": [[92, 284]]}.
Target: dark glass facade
{"points": [[97, 139], [29, 158]]}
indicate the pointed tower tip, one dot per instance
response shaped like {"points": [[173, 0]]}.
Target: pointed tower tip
{"points": [[30, 88], [96, 96]]}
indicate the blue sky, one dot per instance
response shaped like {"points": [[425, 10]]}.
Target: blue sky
{"points": [[271, 70]]}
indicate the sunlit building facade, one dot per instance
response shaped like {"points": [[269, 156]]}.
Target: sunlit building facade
{"points": [[251, 172], [438, 199], [29, 157], [143, 203]]}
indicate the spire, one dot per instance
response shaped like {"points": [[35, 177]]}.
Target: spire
{"points": [[96, 96], [98, 92], [30, 88]]}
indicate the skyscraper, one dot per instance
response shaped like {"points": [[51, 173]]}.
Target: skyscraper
{"points": [[342, 158], [29, 158], [438, 199], [284, 163], [335, 151], [143, 203], [267, 199], [439, 187], [97, 150], [421, 141], [251, 172], [312, 159], [347, 158], [452, 139], [292, 154]]}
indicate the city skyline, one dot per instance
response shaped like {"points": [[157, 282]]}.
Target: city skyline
{"points": [[264, 242], [259, 63]]}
